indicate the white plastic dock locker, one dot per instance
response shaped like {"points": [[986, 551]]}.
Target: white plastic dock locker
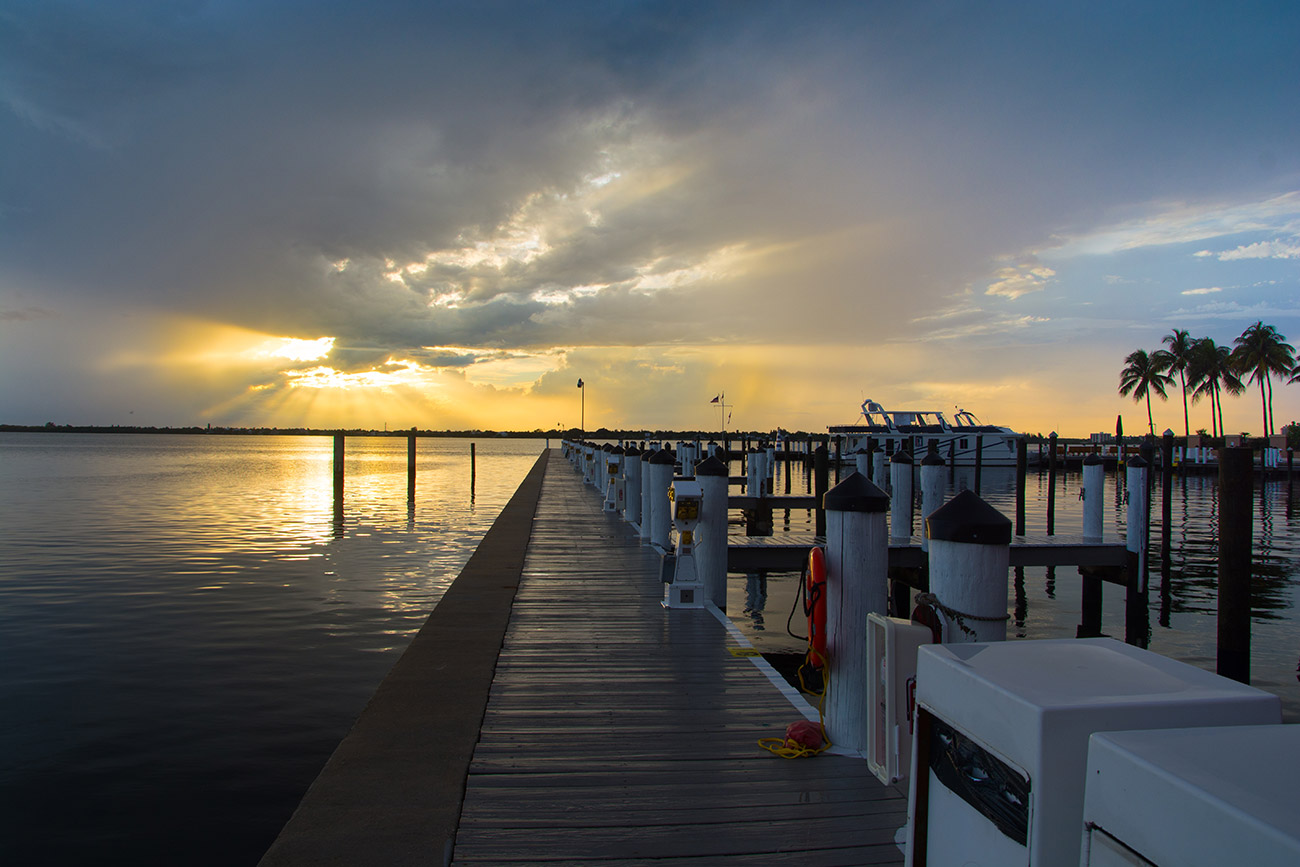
{"points": [[1199, 797], [1001, 745], [891, 679]]}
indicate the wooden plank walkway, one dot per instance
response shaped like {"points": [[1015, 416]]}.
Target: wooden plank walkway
{"points": [[619, 732]]}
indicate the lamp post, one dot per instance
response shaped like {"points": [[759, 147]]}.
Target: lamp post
{"points": [[582, 423]]}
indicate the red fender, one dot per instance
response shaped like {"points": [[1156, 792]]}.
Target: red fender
{"points": [[815, 605]]}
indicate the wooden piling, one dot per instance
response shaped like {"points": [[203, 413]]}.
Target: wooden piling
{"points": [[339, 450], [1022, 465], [1051, 484], [821, 479], [410, 465], [1166, 496], [979, 461], [1236, 486]]}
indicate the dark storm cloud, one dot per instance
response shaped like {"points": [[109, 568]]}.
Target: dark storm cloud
{"points": [[215, 159]]}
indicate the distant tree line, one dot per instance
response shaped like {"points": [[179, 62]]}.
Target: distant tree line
{"points": [[1208, 370]]}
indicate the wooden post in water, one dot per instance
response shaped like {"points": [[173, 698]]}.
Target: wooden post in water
{"points": [[1236, 488], [1094, 482], [339, 450], [1051, 483], [857, 568], [473, 468], [1166, 495], [821, 481], [410, 466], [1022, 465], [1139, 512], [979, 461]]}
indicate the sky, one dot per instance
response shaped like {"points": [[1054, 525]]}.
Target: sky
{"points": [[445, 214]]}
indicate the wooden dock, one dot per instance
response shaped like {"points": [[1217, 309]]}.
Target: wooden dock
{"points": [[619, 732]]}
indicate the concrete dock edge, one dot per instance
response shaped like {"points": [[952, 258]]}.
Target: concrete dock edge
{"points": [[392, 791]]}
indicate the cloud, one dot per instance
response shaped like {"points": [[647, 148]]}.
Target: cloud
{"points": [[1209, 290], [1021, 279], [1263, 250]]}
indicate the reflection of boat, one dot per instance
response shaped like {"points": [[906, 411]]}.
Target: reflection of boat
{"points": [[891, 430]]}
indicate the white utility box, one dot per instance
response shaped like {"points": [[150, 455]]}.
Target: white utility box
{"points": [[891, 680], [1199, 797], [1001, 744]]}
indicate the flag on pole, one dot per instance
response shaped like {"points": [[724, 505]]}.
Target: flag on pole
{"points": [[580, 383], [716, 399]]}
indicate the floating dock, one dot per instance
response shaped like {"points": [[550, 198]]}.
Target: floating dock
{"points": [[552, 711]]}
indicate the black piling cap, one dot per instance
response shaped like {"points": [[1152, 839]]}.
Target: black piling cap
{"points": [[1092, 459], [932, 457], [632, 452], [967, 518], [856, 494], [1138, 461], [901, 457], [617, 450], [663, 456], [710, 466]]}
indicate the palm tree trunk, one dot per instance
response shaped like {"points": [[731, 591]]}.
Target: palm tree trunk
{"points": [[1263, 403], [1150, 422], [1269, 381], [1187, 427]]}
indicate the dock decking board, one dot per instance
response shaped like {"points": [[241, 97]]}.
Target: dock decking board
{"points": [[618, 732]]}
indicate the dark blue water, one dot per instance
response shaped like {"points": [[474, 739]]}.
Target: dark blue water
{"points": [[188, 626]]}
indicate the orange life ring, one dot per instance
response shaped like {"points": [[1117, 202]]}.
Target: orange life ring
{"points": [[815, 605]]}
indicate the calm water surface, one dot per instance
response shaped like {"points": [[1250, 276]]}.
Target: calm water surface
{"points": [[1046, 603], [189, 626]]}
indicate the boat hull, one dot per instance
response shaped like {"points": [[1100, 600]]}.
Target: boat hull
{"points": [[957, 447]]}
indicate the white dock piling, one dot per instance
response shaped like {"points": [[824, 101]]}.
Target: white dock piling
{"points": [[711, 550], [970, 554], [900, 506], [1139, 510], [661, 477], [857, 584], [1094, 483], [932, 486]]}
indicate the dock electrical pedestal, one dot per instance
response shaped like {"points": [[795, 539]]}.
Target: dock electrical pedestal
{"points": [[684, 590], [1001, 747]]}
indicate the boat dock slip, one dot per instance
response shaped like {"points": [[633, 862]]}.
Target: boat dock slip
{"points": [[616, 731]]}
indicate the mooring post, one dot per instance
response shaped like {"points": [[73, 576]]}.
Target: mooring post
{"points": [[410, 465], [1166, 495], [820, 485], [1136, 537], [1236, 532], [339, 450], [979, 461], [711, 549], [1022, 466], [632, 485], [932, 470], [1051, 483], [879, 467], [647, 472], [857, 570], [862, 462], [900, 508], [1094, 497], [614, 488], [661, 478], [970, 559]]}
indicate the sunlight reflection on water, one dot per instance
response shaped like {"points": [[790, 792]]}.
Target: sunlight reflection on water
{"points": [[191, 627]]}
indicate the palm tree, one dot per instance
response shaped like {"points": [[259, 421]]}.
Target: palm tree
{"points": [[1180, 345], [1211, 374], [1143, 374], [1262, 352]]}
